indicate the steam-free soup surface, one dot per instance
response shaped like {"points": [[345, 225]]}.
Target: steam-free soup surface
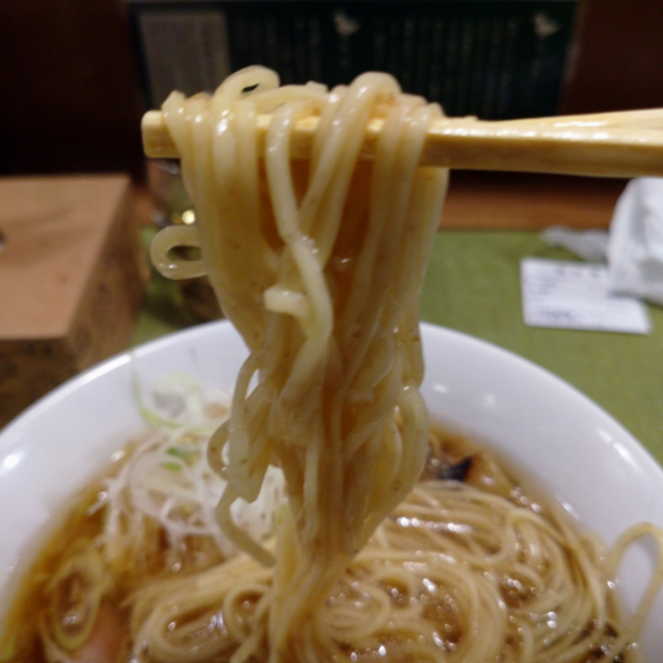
{"points": [[467, 519]]}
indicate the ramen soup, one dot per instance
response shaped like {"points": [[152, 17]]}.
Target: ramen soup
{"points": [[469, 567], [320, 520]]}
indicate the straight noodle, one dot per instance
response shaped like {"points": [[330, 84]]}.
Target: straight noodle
{"points": [[319, 266]]}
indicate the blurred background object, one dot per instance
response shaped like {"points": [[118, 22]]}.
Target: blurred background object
{"points": [[614, 61], [70, 76], [79, 74], [71, 280], [492, 59], [79, 69]]}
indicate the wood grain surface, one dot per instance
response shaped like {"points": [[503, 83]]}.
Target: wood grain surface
{"points": [[71, 280]]}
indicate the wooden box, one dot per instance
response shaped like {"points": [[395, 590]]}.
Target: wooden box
{"points": [[71, 280]]}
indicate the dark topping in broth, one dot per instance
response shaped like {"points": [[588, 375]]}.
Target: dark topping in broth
{"points": [[455, 471]]}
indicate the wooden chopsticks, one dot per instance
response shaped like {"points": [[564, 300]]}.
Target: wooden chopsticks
{"points": [[617, 144]]}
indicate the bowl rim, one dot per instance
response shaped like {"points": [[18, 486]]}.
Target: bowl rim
{"points": [[70, 386]]}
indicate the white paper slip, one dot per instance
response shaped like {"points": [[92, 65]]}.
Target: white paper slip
{"points": [[572, 295]]}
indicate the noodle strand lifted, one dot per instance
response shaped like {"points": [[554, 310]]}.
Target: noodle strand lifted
{"points": [[324, 292]]}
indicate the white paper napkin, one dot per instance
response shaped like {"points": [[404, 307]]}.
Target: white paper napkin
{"points": [[634, 246]]}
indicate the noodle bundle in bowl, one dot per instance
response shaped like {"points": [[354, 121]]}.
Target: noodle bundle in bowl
{"points": [[316, 515], [319, 266]]}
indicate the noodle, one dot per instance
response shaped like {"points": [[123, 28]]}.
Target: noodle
{"points": [[454, 574], [459, 571], [320, 273]]}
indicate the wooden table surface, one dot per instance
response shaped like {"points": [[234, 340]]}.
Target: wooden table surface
{"points": [[519, 201]]}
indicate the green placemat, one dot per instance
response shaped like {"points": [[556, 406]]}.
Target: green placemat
{"points": [[161, 313], [473, 285]]}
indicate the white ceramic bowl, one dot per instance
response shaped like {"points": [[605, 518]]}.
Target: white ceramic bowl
{"points": [[576, 452]]}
